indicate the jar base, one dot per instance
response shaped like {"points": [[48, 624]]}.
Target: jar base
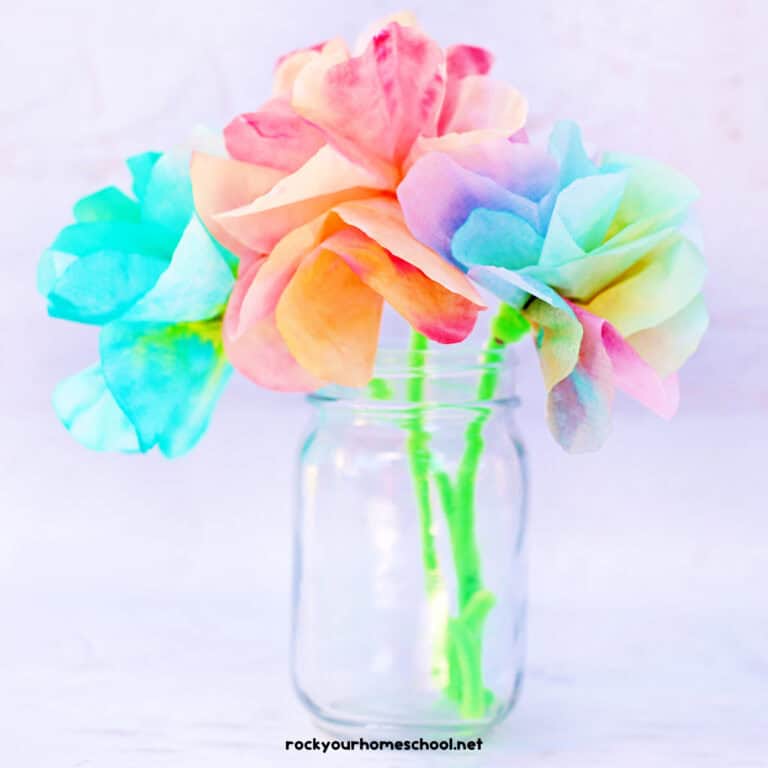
{"points": [[381, 719]]}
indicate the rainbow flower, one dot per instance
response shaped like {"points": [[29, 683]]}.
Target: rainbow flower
{"points": [[145, 269], [308, 202], [594, 257]]}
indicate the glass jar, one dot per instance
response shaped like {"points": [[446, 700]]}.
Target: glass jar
{"points": [[409, 578]]}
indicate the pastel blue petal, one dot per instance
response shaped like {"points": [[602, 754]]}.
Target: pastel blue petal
{"points": [[195, 286], [141, 167], [87, 409], [515, 288], [496, 238], [434, 218], [108, 204], [566, 146], [167, 200], [586, 209], [166, 378], [96, 288]]}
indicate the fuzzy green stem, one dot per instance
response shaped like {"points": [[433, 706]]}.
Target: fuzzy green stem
{"points": [[420, 457]]}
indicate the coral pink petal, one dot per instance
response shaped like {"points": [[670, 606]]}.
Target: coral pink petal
{"points": [[374, 106], [220, 184], [483, 103], [381, 218], [275, 136], [430, 308], [266, 287], [288, 67], [260, 353], [325, 180], [460, 61]]}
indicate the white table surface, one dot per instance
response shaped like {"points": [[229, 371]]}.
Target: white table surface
{"points": [[145, 616]]}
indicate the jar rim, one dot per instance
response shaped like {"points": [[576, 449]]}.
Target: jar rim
{"points": [[452, 375]]}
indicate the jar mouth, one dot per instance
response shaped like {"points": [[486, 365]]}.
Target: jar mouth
{"points": [[444, 376]]}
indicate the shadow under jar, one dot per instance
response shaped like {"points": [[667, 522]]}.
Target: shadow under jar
{"points": [[409, 572]]}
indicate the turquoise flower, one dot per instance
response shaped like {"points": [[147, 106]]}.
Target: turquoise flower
{"points": [[145, 269]]}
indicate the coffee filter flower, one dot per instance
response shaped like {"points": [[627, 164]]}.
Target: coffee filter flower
{"points": [[145, 269], [594, 257], [326, 155]]}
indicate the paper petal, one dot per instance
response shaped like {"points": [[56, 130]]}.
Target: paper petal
{"points": [[585, 209], [219, 185], [324, 181], [166, 379], [668, 345], [481, 102], [87, 409], [460, 61], [167, 200], [498, 239], [257, 350], [654, 191], [566, 147], [657, 287], [195, 286], [266, 285], [98, 287], [275, 136], [330, 320], [430, 308], [107, 204], [434, 219], [382, 220], [375, 105], [579, 407], [556, 328], [141, 167], [290, 66]]}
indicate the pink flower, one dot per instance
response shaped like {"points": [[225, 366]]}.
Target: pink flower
{"points": [[308, 200]]}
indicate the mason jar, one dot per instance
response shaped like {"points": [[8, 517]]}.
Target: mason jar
{"points": [[409, 598]]}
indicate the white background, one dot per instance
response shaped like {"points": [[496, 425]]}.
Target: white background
{"points": [[144, 604]]}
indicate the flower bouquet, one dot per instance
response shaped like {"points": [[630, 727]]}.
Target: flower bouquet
{"points": [[397, 173]]}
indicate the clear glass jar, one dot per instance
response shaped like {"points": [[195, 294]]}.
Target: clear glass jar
{"points": [[409, 579]]}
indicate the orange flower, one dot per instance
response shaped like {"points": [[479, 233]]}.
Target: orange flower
{"points": [[308, 201]]}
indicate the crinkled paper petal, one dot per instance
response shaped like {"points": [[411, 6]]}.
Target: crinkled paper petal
{"points": [[329, 320], [375, 105], [166, 378], [87, 409], [556, 329], [668, 345], [481, 102], [255, 346], [195, 286], [108, 204], [580, 405], [381, 218], [656, 287], [220, 185], [430, 308], [274, 136], [324, 181], [585, 209], [434, 219], [167, 199], [496, 239], [98, 287]]}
